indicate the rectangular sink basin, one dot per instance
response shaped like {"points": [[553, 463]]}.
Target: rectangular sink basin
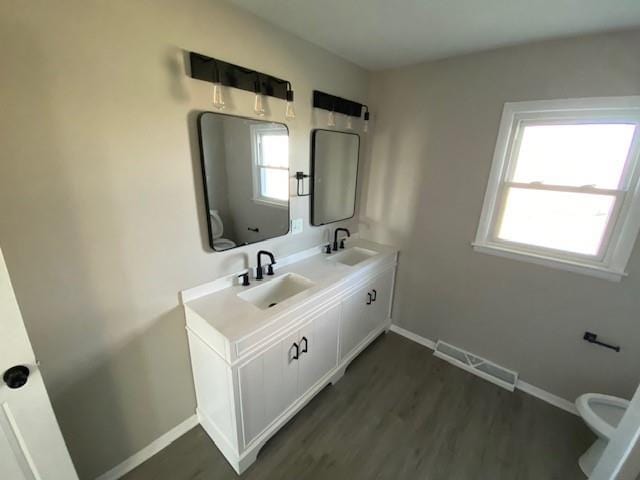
{"points": [[276, 291], [353, 256]]}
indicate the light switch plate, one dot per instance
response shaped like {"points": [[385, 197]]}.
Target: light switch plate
{"points": [[296, 226]]}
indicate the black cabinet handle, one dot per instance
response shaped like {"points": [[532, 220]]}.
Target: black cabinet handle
{"points": [[305, 349], [369, 300], [16, 377], [375, 295], [296, 355]]}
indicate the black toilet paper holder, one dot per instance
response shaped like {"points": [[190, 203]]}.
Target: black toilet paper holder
{"points": [[593, 338]]}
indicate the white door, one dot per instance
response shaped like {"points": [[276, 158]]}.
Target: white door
{"points": [[31, 445], [318, 347]]}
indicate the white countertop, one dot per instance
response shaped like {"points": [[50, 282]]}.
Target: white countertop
{"points": [[234, 318]]}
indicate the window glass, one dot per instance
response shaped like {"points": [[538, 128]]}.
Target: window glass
{"points": [[274, 183], [574, 155], [274, 150], [573, 222]]}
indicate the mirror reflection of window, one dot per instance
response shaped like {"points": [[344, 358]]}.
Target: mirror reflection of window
{"points": [[271, 164]]}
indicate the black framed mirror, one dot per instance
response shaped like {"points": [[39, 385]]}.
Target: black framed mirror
{"points": [[334, 171], [245, 170]]}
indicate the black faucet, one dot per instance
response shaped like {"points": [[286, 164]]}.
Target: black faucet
{"points": [[269, 267], [335, 237]]}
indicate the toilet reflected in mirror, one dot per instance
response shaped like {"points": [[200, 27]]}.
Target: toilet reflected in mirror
{"points": [[217, 230], [245, 165]]}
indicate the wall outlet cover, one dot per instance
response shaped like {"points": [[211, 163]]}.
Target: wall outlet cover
{"points": [[296, 226]]}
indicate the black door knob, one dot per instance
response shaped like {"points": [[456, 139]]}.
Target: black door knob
{"points": [[16, 376]]}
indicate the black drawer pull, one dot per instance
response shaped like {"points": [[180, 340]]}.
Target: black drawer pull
{"points": [[305, 349], [369, 298], [375, 295], [296, 355]]}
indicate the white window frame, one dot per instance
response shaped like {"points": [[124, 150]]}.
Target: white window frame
{"points": [[623, 227], [256, 131]]}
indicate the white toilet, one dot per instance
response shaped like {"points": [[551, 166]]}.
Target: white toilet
{"points": [[217, 229], [602, 413]]}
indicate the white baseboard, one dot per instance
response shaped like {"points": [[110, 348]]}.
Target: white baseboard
{"points": [[532, 390], [548, 397], [412, 336], [150, 450]]}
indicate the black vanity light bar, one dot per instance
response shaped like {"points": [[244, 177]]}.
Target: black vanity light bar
{"points": [[209, 69], [330, 102]]}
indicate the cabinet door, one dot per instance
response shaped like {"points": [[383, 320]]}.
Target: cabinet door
{"points": [[318, 347], [281, 387], [354, 322], [268, 385], [381, 289]]}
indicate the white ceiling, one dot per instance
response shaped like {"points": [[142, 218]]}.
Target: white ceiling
{"points": [[378, 34]]}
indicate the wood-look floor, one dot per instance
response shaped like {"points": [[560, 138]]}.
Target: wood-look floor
{"points": [[400, 413]]}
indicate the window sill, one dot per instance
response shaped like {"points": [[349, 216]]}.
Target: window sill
{"points": [[270, 203], [552, 262]]}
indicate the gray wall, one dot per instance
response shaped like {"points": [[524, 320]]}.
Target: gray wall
{"points": [[217, 180], [101, 211], [435, 132]]}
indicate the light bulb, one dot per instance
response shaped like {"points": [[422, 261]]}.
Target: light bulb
{"points": [[289, 111], [258, 102], [331, 119], [218, 100], [349, 122], [258, 105]]}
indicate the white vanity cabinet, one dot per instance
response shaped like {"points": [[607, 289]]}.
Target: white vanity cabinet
{"points": [[275, 379], [255, 368]]}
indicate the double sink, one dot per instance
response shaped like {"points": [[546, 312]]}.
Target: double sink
{"points": [[282, 288]]}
